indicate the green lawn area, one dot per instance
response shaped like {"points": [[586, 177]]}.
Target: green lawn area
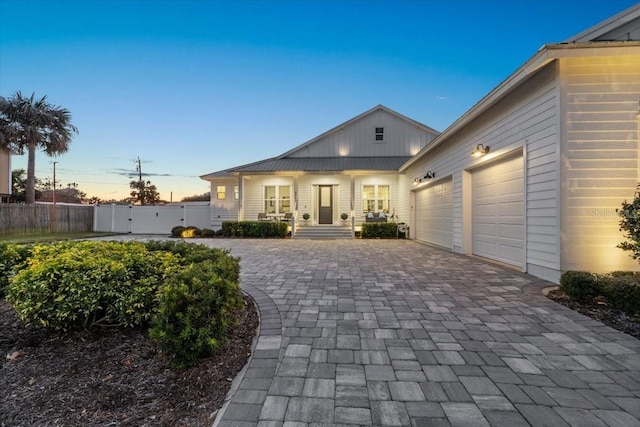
{"points": [[51, 237]]}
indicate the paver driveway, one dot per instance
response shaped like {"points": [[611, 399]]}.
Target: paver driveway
{"points": [[395, 333]]}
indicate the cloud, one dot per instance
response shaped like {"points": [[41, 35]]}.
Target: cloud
{"points": [[442, 98]]}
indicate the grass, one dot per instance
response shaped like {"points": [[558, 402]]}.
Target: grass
{"points": [[51, 237]]}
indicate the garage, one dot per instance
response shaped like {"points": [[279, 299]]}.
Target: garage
{"points": [[498, 211], [434, 219]]}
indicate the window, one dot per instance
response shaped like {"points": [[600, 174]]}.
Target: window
{"points": [[221, 192], [379, 134], [375, 198], [236, 192], [277, 199]]}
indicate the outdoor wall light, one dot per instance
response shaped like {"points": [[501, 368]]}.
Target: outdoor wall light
{"points": [[416, 181], [480, 150], [429, 175]]}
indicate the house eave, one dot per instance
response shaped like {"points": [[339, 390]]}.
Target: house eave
{"points": [[545, 55]]}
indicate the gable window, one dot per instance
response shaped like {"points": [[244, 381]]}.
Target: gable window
{"points": [[379, 134], [277, 199], [221, 192], [375, 198]]}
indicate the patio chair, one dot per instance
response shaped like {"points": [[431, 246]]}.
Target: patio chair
{"points": [[288, 216], [263, 217]]}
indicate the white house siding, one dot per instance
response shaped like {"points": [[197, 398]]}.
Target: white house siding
{"points": [[524, 120], [358, 139], [253, 193], [223, 210], [600, 158], [308, 196]]}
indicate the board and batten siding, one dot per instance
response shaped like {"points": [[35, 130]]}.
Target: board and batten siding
{"points": [[358, 139], [525, 120], [600, 159]]}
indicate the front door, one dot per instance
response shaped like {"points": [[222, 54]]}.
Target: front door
{"points": [[325, 214]]}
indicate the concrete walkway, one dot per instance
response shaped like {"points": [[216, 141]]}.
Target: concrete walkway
{"points": [[395, 333]]}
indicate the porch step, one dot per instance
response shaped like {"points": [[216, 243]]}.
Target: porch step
{"points": [[323, 232]]}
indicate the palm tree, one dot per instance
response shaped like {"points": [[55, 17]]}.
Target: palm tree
{"points": [[27, 123]]}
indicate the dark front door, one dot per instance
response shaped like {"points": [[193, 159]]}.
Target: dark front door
{"points": [[325, 216]]}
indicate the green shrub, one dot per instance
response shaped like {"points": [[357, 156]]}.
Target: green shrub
{"points": [[12, 257], [196, 308], [254, 229], [72, 284], [190, 253], [622, 292], [630, 225], [580, 285], [207, 232], [382, 230], [177, 231]]}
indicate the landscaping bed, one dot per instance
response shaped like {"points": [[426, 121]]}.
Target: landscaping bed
{"points": [[114, 377], [615, 319]]}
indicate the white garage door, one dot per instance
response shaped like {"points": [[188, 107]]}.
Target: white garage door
{"points": [[498, 211], [434, 222]]}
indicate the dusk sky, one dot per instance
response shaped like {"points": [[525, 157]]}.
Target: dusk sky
{"points": [[192, 87]]}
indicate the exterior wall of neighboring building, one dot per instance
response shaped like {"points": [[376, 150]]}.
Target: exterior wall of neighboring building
{"points": [[5, 173], [600, 158]]}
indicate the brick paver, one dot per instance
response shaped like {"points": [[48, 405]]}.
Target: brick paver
{"points": [[395, 333]]}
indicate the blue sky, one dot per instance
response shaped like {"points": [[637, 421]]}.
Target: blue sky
{"points": [[192, 87]]}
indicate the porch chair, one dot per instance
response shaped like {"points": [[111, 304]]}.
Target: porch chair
{"points": [[263, 217], [288, 216]]}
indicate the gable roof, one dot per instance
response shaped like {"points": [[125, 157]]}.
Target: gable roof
{"points": [[287, 161], [338, 128], [546, 54], [605, 30]]}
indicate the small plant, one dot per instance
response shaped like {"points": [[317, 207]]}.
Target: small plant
{"points": [[177, 231], [580, 285], [622, 292], [344, 216], [207, 232], [197, 306], [306, 217], [630, 225], [190, 232]]}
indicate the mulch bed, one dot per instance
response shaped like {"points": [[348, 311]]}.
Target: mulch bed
{"points": [[613, 318], [116, 378]]}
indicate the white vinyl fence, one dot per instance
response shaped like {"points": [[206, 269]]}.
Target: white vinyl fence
{"points": [[149, 219]]}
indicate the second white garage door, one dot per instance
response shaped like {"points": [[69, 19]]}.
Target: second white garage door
{"points": [[498, 211], [434, 222]]}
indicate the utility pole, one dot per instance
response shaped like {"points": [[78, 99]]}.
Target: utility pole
{"points": [[54, 182], [139, 168], [54, 217]]}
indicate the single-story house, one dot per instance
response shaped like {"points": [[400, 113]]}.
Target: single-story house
{"points": [[531, 176], [352, 169]]}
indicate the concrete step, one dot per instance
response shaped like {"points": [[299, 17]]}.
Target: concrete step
{"points": [[323, 232]]}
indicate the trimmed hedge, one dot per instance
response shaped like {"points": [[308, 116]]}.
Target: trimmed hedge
{"points": [[382, 230], [89, 283], [580, 285], [254, 229], [620, 289]]}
